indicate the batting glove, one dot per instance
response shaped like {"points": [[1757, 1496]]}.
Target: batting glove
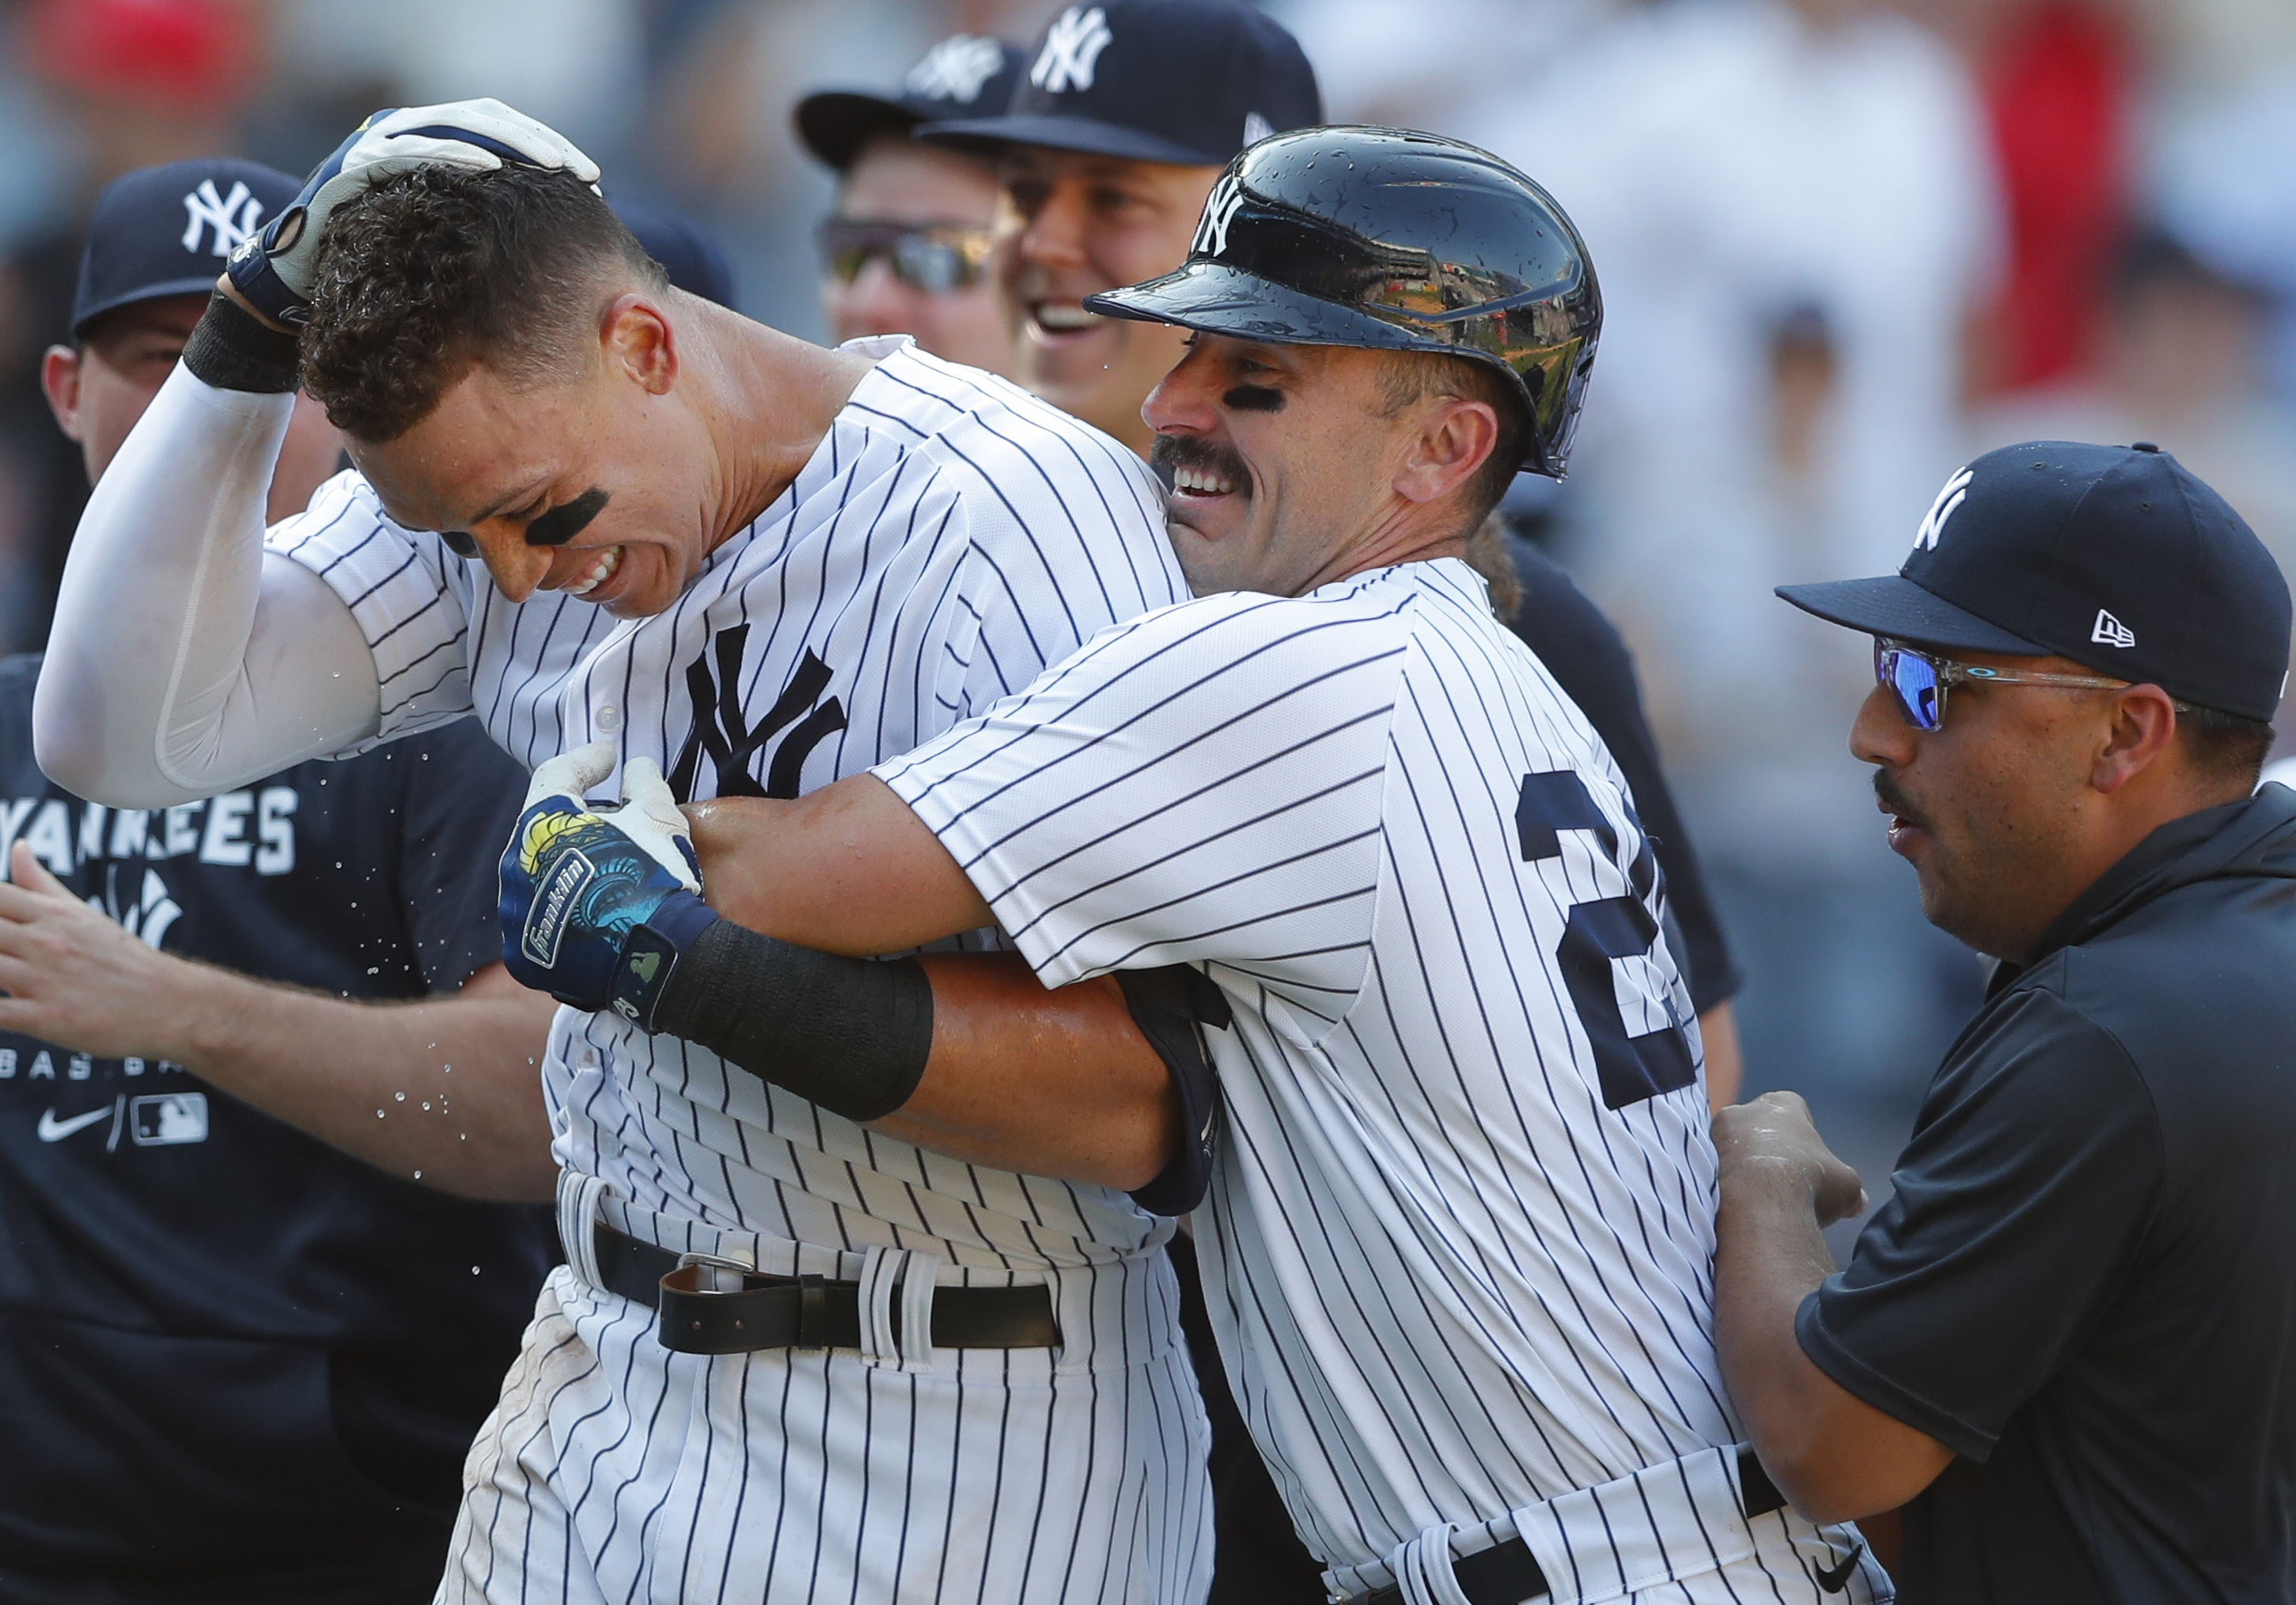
{"points": [[274, 269], [599, 900]]}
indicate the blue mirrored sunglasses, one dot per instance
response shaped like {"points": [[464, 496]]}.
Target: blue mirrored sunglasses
{"points": [[1919, 679]]}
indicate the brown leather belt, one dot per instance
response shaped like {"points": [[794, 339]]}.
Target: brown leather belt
{"points": [[1507, 1573], [716, 1307]]}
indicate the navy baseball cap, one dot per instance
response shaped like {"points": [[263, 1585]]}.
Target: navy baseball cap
{"points": [[1190, 82], [2114, 556], [166, 230], [964, 75]]}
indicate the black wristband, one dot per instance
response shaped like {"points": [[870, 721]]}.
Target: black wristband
{"points": [[233, 349], [851, 1035]]}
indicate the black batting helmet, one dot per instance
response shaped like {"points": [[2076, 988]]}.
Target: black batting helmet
{"points": [[1396, 241]]}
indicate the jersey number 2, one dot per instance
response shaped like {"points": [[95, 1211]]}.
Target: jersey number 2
{"points": [[1631, 1068]]}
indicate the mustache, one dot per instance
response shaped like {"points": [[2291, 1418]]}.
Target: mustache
{"points": [[1170, 452], [1893, 798]]}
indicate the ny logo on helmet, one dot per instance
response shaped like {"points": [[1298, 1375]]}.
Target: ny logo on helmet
{"points": [[232, 216], [955, 68], [1949, 500], [1219, 213], [1072, 46]]}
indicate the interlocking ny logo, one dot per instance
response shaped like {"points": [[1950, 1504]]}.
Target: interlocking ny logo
{"points": [[722, 730], [1071, 48], [955, 68], [1219, 213], [1955, 492], [232, 216]]}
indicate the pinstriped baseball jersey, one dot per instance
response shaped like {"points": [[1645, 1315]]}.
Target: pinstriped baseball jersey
{"points": [[949, 537], [1460, 1218]]}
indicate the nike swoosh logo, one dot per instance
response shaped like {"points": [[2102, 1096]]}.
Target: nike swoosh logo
{"points": [[52, 1130], [1833, 1579]]}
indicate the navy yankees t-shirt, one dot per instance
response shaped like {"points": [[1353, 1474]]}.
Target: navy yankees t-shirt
{"points": [[236, 1364]]}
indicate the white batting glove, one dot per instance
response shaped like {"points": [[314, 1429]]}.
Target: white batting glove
{"points": [[274, 269], [648, 814]]}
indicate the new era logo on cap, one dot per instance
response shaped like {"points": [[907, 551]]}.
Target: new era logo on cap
{"points": [[955, 68], [2109, 631], [1071, 52]]}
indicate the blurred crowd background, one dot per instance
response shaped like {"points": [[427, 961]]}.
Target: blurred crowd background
{"points": [[1845, 245]]}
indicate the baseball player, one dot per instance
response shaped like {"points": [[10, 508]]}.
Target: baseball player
{"points": [[755, 565], [1461, 1220]]}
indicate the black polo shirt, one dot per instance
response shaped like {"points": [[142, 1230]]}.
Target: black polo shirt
{"points": [[234, 1364], [2086, 1283]]}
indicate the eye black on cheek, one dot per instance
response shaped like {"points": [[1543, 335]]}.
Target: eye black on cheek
{"points": [[560, 525], [1253, 398]]}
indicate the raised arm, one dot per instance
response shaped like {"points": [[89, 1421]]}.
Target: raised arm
{"points": [[183, 659]]}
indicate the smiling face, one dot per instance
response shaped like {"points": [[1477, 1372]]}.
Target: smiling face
{"points": [[598, 482], [1070, 225], [1293, 466]]}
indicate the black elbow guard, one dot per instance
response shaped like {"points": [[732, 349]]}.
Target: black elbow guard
{"points": [[850, 1034], [1167, 1005]]}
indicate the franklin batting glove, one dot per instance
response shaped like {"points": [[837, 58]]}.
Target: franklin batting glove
{"points": [[599, 900], [274, 269]]}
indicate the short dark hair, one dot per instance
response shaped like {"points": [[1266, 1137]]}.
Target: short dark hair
{"points": [[1409, 376], [2226, 746], [432, 271]]}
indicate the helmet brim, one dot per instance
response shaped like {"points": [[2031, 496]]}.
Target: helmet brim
{"points": [[1213, 298]]}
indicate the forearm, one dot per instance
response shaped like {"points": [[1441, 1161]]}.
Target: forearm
{"points": [[446, 1090], [178, 664], [1833, 1454], [848, 868], [966, 1054], [1056, 1083]]}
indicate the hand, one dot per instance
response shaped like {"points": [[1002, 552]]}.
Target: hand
{"points": [[74, 978], [273, 271], [1773, 1135], [599, 900]]}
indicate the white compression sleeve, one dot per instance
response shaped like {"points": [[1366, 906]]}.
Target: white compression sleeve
{"points": [[184, 659]]}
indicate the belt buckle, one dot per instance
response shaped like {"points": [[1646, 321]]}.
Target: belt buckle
{"points": [[724, 1275]]}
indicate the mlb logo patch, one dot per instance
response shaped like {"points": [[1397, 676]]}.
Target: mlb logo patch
{"points": [[168, 1118]]}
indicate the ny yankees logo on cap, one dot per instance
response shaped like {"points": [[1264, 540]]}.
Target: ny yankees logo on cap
{"points": [[1932, 525], [1072, 48], [955, 68], [233, 217], [1219, 214]]}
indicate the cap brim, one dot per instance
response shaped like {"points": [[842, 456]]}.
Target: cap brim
{"points": [[193, 285], [1216, 299], [836, 123], [992, 133], [1894, 606]]}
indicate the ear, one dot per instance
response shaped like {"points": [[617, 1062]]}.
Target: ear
{"points": [[60, 383], [1454, 439], [637, 337], [2142, 727]]}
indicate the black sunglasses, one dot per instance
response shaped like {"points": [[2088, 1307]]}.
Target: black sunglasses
{"points": [[932, 257]]}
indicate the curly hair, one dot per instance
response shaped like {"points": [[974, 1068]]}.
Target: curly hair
{"points": [[430, 271]]}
